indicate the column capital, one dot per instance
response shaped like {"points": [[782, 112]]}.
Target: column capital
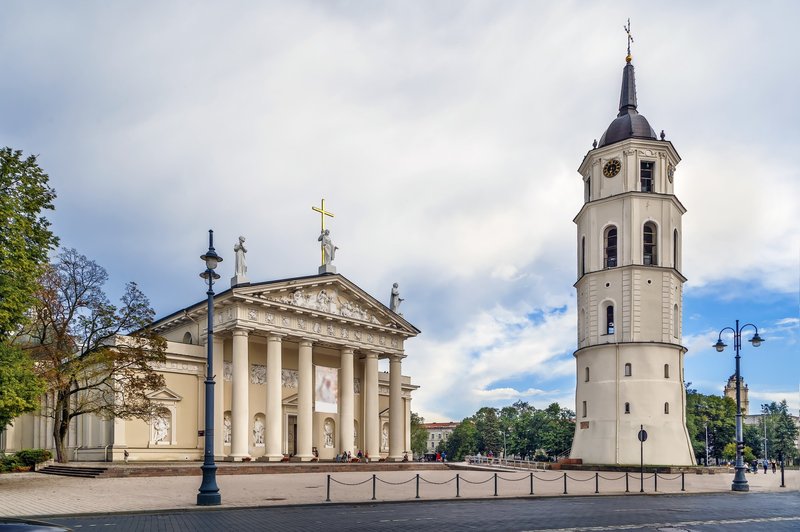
{"points": [[368, 353], [393, 357], [275, 337], [306, 342], [239, 331], [349, 348]]}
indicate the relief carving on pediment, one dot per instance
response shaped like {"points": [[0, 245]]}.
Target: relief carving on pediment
{"points": [[329, 301]]}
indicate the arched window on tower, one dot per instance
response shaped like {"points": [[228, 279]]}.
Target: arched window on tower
{"points": [[627, 408], [666, 371], [666, 408], [646, 176], [610, 247], [587, 192], [587, 374], [610, 319], [583, 255], [675, 250], [650, 255], [584, 409], [628, 369], [676, 324]]}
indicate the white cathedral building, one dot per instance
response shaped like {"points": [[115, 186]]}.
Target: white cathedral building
{"points": [[630, 358], [297, 376]]}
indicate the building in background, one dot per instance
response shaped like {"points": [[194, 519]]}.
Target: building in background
{"points": [[438, 433]]}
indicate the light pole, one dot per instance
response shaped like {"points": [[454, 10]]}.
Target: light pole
{"points": [[739, 480], [208, 495], [706, 444]]}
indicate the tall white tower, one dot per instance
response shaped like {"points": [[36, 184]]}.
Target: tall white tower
{"points": [[630, 358]]}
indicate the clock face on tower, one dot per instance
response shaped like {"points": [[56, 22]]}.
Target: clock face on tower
{"points": [[612, 168]]}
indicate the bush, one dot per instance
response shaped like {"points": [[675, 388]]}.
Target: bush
{"points": [[8, 463], [31, 457]]}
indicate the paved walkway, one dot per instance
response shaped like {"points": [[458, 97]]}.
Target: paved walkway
{"points": [[39, 495]]}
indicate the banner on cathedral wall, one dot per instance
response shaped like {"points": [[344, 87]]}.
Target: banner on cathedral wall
{"points": [[326, 398]]}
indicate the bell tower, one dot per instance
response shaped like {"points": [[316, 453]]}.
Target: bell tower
{"points": [[629, 359]]}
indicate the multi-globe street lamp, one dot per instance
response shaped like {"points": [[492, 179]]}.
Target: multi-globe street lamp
{"points": [[739, 480], [209, 495]]}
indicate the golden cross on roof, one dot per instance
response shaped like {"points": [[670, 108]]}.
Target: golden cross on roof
{"points": [[630, 40], [322, 213]]}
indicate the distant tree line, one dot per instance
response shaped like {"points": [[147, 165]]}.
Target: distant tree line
{"points": [[522, 429]]}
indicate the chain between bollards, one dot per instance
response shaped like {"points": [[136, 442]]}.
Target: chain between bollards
{"points": [[417, 497], [457, 485], [328, 497], [565, 483], [495, 484], [373, 487]]}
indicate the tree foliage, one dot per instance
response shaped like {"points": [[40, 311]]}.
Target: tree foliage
{"points": [[75, 339], [25, 237], [781, 430], [20, 388], [719, 415], [419, 435]]}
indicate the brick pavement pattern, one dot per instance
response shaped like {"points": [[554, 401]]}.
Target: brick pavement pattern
{"points": [[34, 494]]}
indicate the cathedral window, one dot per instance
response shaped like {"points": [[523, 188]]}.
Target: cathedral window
{"points": [[666, 408], [584, 409], [610, 319], [675, 249], [676, 324], [628, 371], [187, 338], [587, 375], [587, 193], [646, 175], [583, 255], [666, 371], [650, 257], [610, 241], [627, 408]]}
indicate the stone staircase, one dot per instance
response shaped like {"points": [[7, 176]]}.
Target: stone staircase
{"points": [[74, 471]]}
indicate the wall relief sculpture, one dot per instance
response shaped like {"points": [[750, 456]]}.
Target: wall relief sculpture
{"points": [[258, 374], [227, 371], [289, 378], [328, 301]]}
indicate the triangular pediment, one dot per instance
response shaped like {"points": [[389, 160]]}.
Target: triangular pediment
{"points": [[164, 394], [326, 295]]}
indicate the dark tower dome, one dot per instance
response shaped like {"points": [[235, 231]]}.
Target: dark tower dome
{"points": [[629, 123]]}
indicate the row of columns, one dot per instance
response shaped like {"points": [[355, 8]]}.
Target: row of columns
{"points": [[240, 415]]}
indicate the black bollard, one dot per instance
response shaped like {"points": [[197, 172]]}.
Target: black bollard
{"points": [[626, 483], [373, 487], [565, 483], [597, 482], [683, 480], [328, 497], [495, 484], [417, 497], [458, 487], [655, 480], [531, 483]]}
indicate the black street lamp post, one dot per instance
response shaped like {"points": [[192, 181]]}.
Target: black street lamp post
{"points": [[739, 480], [208, 495]]}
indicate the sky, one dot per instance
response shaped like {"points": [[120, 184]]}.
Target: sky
{"points": [[445, 136]]}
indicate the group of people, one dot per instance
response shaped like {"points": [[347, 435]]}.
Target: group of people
{"points": [[346, 457], [766, 464]]}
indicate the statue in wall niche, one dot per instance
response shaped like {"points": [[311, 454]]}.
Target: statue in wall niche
{"points": [[160, 428], [328, 249], [385, 437], [258, 432], [395, 299], [226, 429], [241, 263], [328, 434]]}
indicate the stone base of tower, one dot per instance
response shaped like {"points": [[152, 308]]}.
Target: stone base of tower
{"points": [[617, 400]]}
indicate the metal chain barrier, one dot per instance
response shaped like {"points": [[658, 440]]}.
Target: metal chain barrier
{"points": [[495, 477]]}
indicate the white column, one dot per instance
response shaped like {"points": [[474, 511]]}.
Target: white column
{"points": [[274, 428], [397, 414], [304, 402], [346, 399], [219, 397], [240, 398], [372, 430], [407, 427]]}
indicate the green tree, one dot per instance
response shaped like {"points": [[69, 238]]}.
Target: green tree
{"points": [[74, 338], [729, 453], [463, 441], [715, 412], [25, 237], [487, 425], [781, 430], [20, 388], [752, 438], [419, 435]]}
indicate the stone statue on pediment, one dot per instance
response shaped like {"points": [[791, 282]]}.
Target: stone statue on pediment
{"points": [[240, 269], [329, 250], [395, 299]]}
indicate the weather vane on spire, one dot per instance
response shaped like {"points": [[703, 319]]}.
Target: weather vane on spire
{"points": [[630, 40]]}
